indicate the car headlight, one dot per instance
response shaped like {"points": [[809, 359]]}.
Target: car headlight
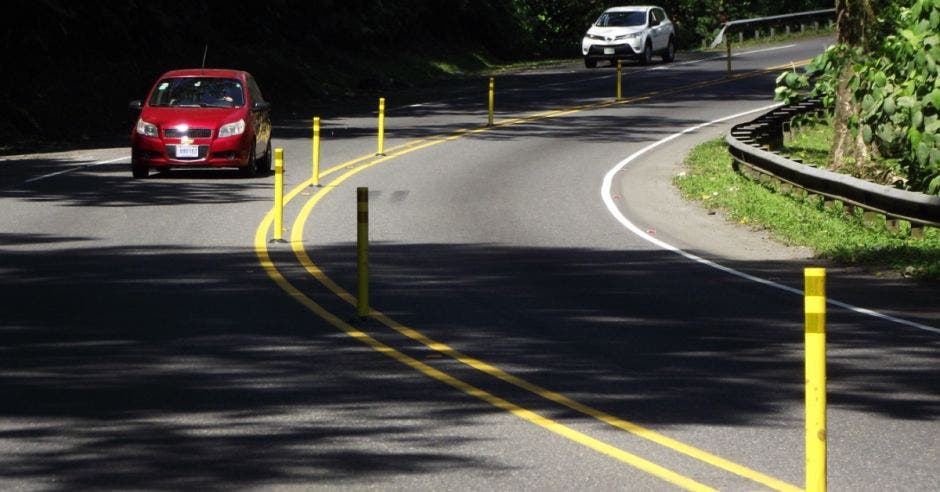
{"points": [[633, 35], [147, 129], [232, 129], [595, 37]]}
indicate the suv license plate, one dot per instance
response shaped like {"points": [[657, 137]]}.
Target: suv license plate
{"points": [[187, 151], [608, 51]]}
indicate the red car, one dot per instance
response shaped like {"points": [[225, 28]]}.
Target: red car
{"points": [[202, 118]]}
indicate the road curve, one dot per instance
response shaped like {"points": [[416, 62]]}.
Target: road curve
{"points": [[535, 343]]}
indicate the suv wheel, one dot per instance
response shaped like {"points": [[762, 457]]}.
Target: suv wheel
{"points": [[590, 63], [647, 56], [670, 54]]}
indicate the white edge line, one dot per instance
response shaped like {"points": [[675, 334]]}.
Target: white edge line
{"points": [[612, 207], [65, 171]]}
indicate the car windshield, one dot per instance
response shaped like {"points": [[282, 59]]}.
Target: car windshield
{"points": [[198, 92], [621, 19]]}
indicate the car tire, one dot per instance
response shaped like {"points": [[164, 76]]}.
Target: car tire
{"points": [[264, 165], [251, 169], [646, 57], [139, 171], [590, 63], [670, 54]]}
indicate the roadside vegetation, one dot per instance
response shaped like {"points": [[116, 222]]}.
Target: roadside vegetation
{"points": [[880, 85], [711, 181]]}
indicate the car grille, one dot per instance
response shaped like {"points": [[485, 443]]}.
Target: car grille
{"points": [[191, 133], [171, 153]]}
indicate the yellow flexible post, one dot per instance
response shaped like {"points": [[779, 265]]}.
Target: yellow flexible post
{"points": [[381, 127], [491, 101], [619, 80], [316, 151], [815, 310], [278, 196], [362, 251]]}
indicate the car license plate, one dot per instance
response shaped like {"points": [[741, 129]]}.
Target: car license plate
{"points": [[608, 51], [187, 151]]}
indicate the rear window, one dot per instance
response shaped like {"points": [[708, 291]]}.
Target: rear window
{"points": [[198, 92], [621, 19]]}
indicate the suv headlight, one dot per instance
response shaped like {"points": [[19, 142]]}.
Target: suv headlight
{"points": [[595, 37], [147, 129], [232, 129]]}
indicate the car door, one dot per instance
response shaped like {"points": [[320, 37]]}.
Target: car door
{"points": [[657, 30], [260, 119]]}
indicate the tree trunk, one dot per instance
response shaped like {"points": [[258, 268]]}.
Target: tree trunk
{"points": [[855, 18]]}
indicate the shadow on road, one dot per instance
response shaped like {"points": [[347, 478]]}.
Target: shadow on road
{"points": [[175, 368]]}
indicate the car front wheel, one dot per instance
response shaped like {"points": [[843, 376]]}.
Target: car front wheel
{"points": [[590, 63], [670, 54], [251, 169], [139, 170], [647, 56], [264, 165]]}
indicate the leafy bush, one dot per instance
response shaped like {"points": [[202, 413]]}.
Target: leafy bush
{"points": [[896, 87]]}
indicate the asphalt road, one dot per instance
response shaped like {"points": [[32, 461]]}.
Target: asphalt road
{"points": [[523, 338]]}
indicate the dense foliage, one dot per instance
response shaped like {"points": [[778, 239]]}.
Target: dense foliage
{"points": [[895, 85], [69, 68]]}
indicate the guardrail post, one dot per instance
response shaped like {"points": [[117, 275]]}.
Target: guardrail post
{"points": [[728, 49], [362, 251], [815, 312], [917, 231], [381, 150], [316, 151], [278, 196], [490, 101]]}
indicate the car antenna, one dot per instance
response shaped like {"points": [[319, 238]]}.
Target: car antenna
{"points": [[204, 53]]}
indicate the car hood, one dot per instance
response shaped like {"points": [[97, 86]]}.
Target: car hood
{"points": [[613, 32], [191, 117]]}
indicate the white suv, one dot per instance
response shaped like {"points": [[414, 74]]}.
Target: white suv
{"points": [[629, 33]]}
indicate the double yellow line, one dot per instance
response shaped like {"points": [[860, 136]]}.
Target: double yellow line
{"points": [[360, 164]]}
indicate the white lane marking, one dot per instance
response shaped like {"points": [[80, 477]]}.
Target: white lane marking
{"points": [[606, 195], [76, 168]]}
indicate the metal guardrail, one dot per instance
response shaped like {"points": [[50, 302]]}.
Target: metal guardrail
{"points": [[773, 18], [751, 145]]}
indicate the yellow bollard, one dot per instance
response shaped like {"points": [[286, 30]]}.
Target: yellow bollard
{"points": [[619, 80], [490, 103], [362, 251], [815, 310], [316, 151], [381, 127], [278, 196]]}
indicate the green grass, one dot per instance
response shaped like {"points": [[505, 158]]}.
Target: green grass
{"points": [[811, 143], [711, 181]]}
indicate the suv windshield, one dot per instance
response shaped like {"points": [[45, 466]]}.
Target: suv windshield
{"points": [[621, 19], [199, 92]]}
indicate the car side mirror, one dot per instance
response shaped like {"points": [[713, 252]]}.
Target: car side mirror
{"points": [[136, 105], [261, 106]]}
